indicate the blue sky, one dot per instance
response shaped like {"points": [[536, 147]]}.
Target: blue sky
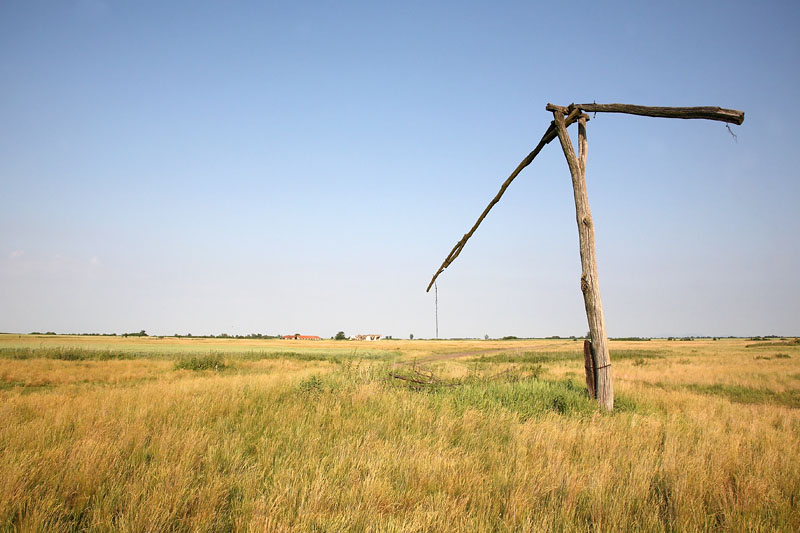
{"points": [[241, 167]]}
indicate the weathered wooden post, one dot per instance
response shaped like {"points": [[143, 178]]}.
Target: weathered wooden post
{"points": [[597, 360], [590, 285]]}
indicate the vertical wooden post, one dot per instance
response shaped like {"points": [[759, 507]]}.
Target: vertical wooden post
{"points": [[589, 281]]}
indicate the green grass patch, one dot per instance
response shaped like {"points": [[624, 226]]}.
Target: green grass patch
{"points": [[83, 354], [198, 363], [528, 357], [527, 398], [311, 385], [296, 356], [69, 354], [750, 395], [22, 386], [550, 357], [521, 393], [792, 342], [332, 356], [619, 355], [624, 403]]}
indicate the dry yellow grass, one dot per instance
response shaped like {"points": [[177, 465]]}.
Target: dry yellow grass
{"points": [[706, 438]]}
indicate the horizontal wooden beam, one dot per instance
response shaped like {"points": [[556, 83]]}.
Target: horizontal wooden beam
{"points": [[721, 114]]}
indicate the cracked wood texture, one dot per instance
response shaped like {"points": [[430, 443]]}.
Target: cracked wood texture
{"points": [[590, 286]]}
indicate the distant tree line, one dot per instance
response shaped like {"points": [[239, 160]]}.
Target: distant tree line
{"points": [[341, 336], [227, 336], [143, 333]]}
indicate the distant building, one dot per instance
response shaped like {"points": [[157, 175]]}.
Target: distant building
{"points": [[302, 337], [368, 337]]}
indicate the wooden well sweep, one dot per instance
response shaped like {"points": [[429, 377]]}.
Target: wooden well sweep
{"points": [[597, 359]]}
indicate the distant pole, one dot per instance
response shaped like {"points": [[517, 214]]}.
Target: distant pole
{"points": [[436, 302]]}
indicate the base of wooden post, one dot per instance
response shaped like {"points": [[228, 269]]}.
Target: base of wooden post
{"points": [[588, 366]]}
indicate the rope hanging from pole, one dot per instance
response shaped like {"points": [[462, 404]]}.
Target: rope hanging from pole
{"points": [[436, 300]]}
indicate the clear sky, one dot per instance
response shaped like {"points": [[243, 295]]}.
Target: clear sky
{"points": [[304, 167]]}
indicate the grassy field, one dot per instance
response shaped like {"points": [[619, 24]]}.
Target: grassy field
{"points": [[149, 434]]}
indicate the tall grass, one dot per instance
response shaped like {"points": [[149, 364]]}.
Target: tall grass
{"points": [[68, 354], [743, 394], [321, 445], [202, 362], [71, 353], [550, 357]]}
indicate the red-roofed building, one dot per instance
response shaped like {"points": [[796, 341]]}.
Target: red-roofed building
{"points": [[302, 337], [368, 337]]}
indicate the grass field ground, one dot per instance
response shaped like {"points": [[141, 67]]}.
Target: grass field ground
{"points": [[149, 434]]}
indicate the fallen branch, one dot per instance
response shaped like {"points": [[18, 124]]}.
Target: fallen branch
{"points": [[499, 375], [431, 382], [409, 378]]}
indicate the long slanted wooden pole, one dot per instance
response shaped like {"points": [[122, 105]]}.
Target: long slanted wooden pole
{"points": [[590, 286], [549, 135]]}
